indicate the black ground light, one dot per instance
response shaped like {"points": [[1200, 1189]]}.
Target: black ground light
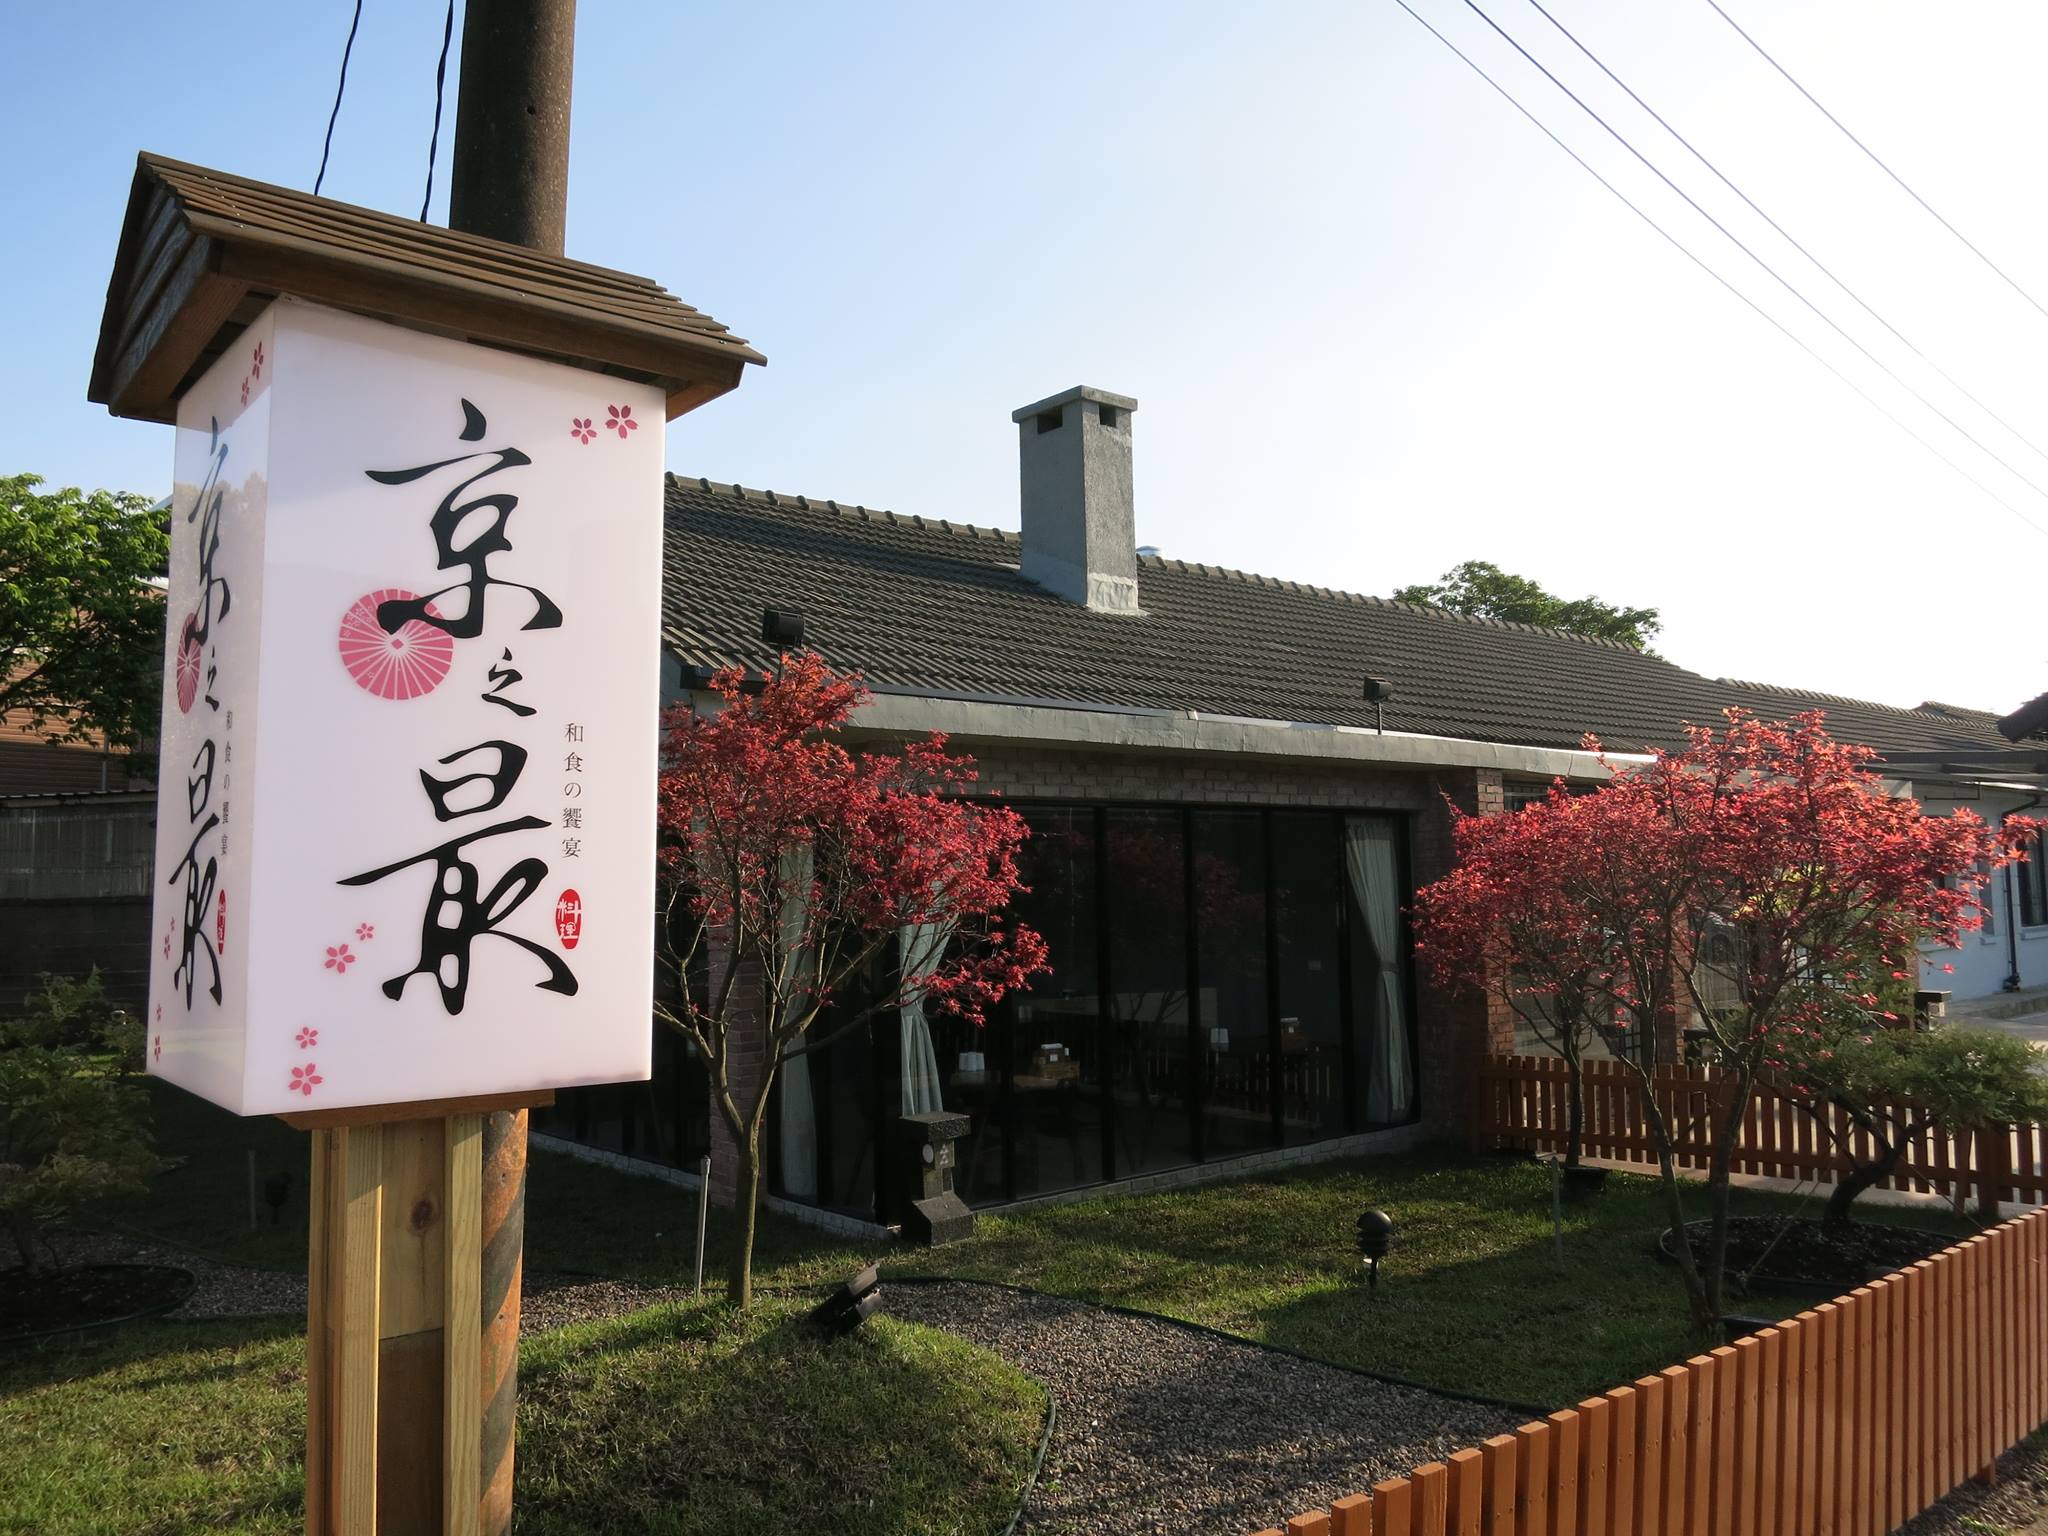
{"points": [[852, 1304], [1375, 1237], [276, 1190]]}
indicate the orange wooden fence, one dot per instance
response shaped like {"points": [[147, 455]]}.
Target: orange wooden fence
{"points": [[1521, 1101], [1846, 1420]]}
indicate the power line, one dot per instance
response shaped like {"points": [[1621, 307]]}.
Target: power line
{"points": [[1876, 160], [339, 86], [1679, 246], [440, 80], [1786, 234], [1775, 275]]}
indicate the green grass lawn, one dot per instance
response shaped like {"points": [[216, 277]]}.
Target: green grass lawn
{"points": [[678, 1420], [1473, 1298]]}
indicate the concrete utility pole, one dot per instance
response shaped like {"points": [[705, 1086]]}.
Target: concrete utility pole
{"points": [[511, 182], [511, 174]]}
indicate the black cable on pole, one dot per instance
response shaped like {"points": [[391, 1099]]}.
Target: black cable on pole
{"points": [[1876, 160], [339, 86], [1787, 235], [1679, 246], [440, 81], [1832, 324]]}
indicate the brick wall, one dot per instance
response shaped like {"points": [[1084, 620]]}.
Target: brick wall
{"points": [[1455, 1029], [746, 1054]]}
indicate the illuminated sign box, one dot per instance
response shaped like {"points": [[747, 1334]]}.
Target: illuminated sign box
{"points": [[405, 821]]}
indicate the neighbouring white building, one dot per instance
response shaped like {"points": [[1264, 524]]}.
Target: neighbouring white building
{"points": [[2010, 952]]}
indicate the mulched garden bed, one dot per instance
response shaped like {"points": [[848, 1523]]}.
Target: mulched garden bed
{"points": [[44, 1301], [1804, 1255]]}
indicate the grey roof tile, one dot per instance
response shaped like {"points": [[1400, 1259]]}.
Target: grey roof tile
{"points": [[934, 606]]}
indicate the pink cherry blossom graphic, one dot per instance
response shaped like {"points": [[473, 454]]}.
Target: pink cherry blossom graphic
{"points": [[393, 664], [304, 1079], [167, 946], [581, 429], [339, 960], [366, 932], [622, 420], [159, 1047], [159, 1013], [308, 1038], [245, 391], [187, 670], [256, 367]]}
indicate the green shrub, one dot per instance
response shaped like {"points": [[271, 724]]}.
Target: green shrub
{"points": [[74, 1127], [1896, 1084]]}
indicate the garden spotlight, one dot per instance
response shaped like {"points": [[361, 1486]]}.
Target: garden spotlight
{"points": [[1375, 1237]]}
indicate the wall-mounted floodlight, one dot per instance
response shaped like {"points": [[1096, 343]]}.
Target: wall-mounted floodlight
{"points": [[1377, 691], [782, 627]]}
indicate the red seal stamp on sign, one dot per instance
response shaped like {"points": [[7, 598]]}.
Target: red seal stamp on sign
{"points": [[569, 918]]}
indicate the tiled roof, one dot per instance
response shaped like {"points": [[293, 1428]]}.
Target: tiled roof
{"points": [[928, 606], [202, 252]]}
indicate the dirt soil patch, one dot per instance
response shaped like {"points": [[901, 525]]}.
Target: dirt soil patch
{"points": [[82, 1296], [1773, 1252]]}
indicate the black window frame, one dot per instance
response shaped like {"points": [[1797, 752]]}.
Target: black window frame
{"points": [[2030, 879]]}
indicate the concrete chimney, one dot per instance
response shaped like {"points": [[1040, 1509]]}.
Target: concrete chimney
{"points": [[1080, 530]]}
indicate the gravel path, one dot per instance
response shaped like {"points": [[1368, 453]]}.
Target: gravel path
{"points": [[554, 1301], [2017, 1505], [1165, 1430]]}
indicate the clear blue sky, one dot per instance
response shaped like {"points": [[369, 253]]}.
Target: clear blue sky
{"points": [[1376, 323]]}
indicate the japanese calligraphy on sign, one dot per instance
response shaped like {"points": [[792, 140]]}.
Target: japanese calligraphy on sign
{"points": [[411, 704]]}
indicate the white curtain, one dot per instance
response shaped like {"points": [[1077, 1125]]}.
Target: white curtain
{"points": [[1374, 868], [919, 945], [799, 1108]]}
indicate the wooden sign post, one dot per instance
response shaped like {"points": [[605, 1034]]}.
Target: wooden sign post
{"points": [[395, 1381], [406, 814]]}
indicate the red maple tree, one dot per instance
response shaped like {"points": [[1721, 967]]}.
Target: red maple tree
{"points": [[791, 868], [1769, 837]]}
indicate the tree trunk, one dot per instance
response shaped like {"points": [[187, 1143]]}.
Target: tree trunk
{"points": [[1705, 1318], [1726, 1134], [23, 1229], [739, 1284], [1864, 1176], [1575, 1110]]}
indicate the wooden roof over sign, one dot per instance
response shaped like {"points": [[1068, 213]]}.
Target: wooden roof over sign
{"points": [[202, 252]]}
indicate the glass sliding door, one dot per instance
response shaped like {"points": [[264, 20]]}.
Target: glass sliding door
{"points": [[1052, 1061], [826, 1119], [680, 1093], [1235, 1041], [1147, 961], [1375, 892], [1311, 1066], [849, 1125]]}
